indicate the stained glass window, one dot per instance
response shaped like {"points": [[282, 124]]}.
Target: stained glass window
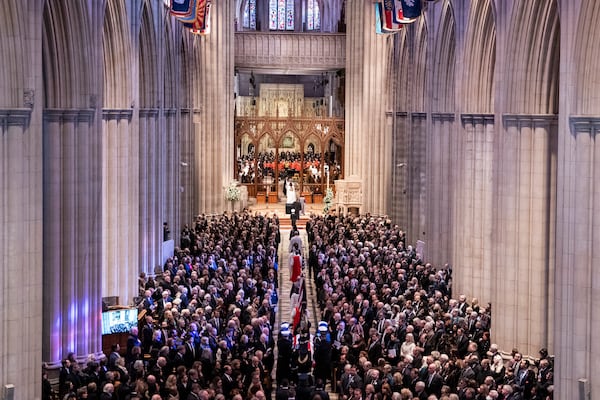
{"points": [[289, 23], [317, 15], [281, 15], [249, 21], [273, 15], [313, 17]]}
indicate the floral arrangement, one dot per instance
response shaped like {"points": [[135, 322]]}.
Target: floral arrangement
{"points": [[328, 200], [232, 192]]}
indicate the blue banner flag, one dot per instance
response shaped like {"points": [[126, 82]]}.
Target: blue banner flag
{"points": [[182, 8], [399, 17], [411, 8], [378, 18]]}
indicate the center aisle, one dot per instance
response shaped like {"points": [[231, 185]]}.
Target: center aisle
{"points": [[284, 312]]}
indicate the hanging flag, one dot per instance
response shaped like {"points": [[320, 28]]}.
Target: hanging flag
{"points": [[199, 25], [296, 268], [399, 17], [378, 18], [199, 6], [183, 8], [206, 29], [388, 23], [411, 8]]}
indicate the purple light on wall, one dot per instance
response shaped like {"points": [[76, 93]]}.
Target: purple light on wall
{"points": [[72, 326], [55, 342]]}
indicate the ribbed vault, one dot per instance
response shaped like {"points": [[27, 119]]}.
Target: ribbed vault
{"points": [[64, 51], [147, 63], [480, 58], [117, 56], [11, 48], [444, 65], [534, 38], [587, 54]]}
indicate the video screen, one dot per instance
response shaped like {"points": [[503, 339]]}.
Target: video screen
{"points": [[119, 321]]}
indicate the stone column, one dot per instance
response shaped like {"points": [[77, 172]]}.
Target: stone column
{"points": [[21, 252], [214, 132], [120, 205], [71, 235], [172, 175], [186, 148], [368, 55], [440, 193], [524, 233], [473, 209], [578, 257], [417, 162], [151, 192], [400, 176]]}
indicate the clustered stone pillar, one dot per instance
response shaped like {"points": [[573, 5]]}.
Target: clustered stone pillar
{"points": [[72, 235], [120, 205], [172, 177], [214, 88], [440, 193], [416, 175], [578, 257], [21, 252], [474, 208], [524, 234], [151, 192], [368, 140], [400, 198], [186, 147]]}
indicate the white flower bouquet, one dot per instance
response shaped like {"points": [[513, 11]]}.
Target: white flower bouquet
{"points": [[328, 200], [232, 192]]}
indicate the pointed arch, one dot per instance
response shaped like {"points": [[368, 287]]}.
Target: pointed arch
{"points": [[587, 53], [535, 39], [12, 50], [444, 67], [117, 56], [147, 59], [197, 84], [184, 75], [64, 50], [401, 57], [419, 29], [480, 58], [170, 78]]}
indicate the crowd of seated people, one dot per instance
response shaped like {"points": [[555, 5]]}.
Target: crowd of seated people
{"points": [[390, 327], [253, 167], [208, 328], [394, 329], [249, 169]]}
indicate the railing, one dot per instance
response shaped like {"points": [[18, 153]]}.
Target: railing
{"points": [[290, 51]]}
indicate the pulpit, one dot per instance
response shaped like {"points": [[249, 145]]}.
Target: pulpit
{"points": [[348, 194], [261, 197]]}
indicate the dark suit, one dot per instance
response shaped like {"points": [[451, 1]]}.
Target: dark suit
{"points": [[433, 384], [191, 354], [217, 323], [324, 395], [284, 356], [282, 393], [422, 395], [462, 346], [375, 351], [228, 384]]}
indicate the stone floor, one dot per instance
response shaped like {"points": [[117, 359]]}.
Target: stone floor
{"points": [[284, 311]]}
